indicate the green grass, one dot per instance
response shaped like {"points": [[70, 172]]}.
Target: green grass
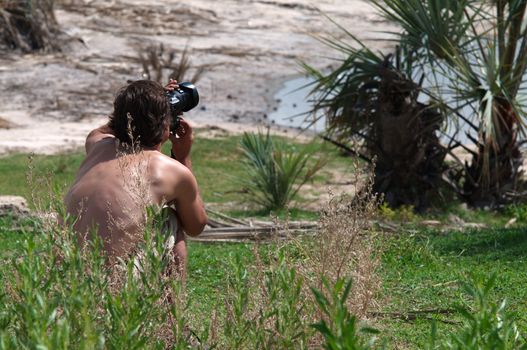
{"points": [[207, 272], [420, 272], [12, 233], [216, 165], [15, 170], [419, 267]]}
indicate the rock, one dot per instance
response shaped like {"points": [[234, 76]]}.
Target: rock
{"points": [[13, 205], [463, 207], [6, 124], [455, 219], [477, 225], [511, 222], [431, 222]]}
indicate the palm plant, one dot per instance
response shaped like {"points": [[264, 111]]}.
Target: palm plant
{"points": [[275, 174], [479, 49], [371, 102]]}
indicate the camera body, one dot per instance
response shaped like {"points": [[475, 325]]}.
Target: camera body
{"points": [[182, 99]]}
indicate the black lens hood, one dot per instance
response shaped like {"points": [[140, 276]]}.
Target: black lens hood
{"points": [[189, 88]]}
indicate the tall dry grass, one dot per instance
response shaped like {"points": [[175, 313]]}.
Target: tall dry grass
{"points": [[277, 307]]}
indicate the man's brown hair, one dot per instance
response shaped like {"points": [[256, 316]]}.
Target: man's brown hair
{"points": [[141, 113]]}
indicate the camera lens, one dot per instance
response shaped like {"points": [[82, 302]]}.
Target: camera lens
{"points": [[184, 98]]}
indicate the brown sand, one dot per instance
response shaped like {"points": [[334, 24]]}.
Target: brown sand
{"points": [[248, 47]]}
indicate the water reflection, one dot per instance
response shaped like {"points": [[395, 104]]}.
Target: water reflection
{"points": [[294, 106]]}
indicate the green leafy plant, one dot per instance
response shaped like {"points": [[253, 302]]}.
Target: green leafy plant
{"points": [[404, 213], [275, 172], [265, 307], [339, 328], [517, 211], [60, 294], [486, 326]]}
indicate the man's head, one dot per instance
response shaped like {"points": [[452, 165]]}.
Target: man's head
{"points": [[141, 114]]}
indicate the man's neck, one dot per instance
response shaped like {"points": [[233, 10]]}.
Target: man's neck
{"points": [[129, 149]]}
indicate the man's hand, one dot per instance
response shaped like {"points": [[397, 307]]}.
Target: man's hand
{"points": [[172, 84], [182, 143]]}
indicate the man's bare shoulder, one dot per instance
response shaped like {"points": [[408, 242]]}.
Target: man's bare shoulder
{"points": [[96, 135], [175, 177], [171, 170]]}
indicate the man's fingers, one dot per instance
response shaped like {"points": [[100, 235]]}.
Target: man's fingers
{"points": [[185, 124], [172, 84], [184, 129]]}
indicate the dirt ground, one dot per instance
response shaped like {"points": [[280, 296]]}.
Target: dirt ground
{"points": [[48, 102]]}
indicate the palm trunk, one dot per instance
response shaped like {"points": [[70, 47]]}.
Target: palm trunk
{"points": [[494, 173], [410, 158]]}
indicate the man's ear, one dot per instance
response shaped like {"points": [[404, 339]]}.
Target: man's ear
{"points": [[166, 133]]}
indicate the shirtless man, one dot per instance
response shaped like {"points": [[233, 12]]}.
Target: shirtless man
{"points": [[114, 184]]}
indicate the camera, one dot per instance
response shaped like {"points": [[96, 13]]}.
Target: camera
{"points": [[182, 99]]}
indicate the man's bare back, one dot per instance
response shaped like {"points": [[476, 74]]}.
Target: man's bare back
{"points": [[114, 187]]}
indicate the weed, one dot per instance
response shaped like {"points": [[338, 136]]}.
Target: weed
{"points": [[404, 213], [340, 331], [488, 326], [344, 247], [159, 65], [518, 211]]}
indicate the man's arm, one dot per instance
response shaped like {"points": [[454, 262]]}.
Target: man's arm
{"points": [[182, 143], [188, 200], [96, 135], [189, 205]]}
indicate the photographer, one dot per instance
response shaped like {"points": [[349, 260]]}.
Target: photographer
{"points": [[124, 172]]}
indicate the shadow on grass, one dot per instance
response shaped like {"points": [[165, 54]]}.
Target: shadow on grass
{"points": [[494, 243], [282, 215]]}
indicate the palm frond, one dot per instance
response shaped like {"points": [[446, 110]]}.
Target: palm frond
{"points": [[437, 25], [275, 172]]}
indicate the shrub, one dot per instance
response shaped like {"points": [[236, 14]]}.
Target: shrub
{"points": [[275, 173], [486, 326], [61, 295], [518, 211]]}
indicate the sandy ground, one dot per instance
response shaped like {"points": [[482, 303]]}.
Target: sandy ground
{"points": [[49, 102]]}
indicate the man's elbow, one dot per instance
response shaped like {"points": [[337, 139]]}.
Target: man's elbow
{"points": [[197, 228]]}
